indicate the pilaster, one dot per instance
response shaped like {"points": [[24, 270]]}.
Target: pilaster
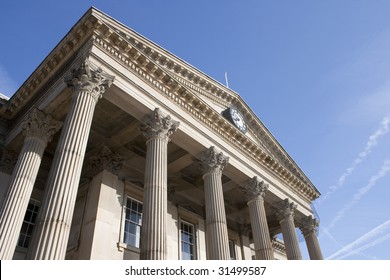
{"points": [[102, 217], [246, 251], [8, 160], [106, 160], [7, 163]]}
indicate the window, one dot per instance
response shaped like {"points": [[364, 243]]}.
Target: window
{"points": [[133, 222], [28, 223], [232, 249], [187, 236]]}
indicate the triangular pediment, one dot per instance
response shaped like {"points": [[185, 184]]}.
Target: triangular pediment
{"points": [[213, 93], [206, 96]]}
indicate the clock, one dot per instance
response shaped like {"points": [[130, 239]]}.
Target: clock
{"points": [[236, 118]]}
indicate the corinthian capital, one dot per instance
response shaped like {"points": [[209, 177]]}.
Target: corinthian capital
{"points": [[254, 188], [88, 79], [158, 126], [40, 125], [107, 160], [210, 161], [286, 209], [309, 225], [7, 160]]}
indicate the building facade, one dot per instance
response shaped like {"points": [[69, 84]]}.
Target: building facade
{"points": [[114, 148]]}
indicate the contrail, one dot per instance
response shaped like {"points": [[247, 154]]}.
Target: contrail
{"points": [[372, 142], [355, 246], [330, 236], [361, 192], [364, 247]]}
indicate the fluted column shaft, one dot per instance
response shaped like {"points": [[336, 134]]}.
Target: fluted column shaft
{"points": [[309, 231], [212, 164], [157, 130], [286, 220], [217, 235], [38, 129], [52, 230], [255, 191], [261, 238]]}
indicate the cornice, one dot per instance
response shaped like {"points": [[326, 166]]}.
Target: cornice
{"points": [[172, 77], [195, 80], [72, 41], [278, 246], [151, 70]]}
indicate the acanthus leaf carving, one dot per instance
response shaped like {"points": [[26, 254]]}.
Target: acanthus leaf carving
{"points": [[309, 225], [286, 209], [211, 161], [254, 188], [88, 79], [156, 125], [40, 125], [108, 160]]}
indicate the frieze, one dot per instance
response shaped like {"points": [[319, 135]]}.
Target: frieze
{"points": [[140, 62], [190, 102], [215, 93]]}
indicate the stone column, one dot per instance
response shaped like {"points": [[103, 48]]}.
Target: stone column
{"points": [[212, 165], [54, 221], [285, 214], [309, 231], [38, 129], [157, 129], [255, 191]]}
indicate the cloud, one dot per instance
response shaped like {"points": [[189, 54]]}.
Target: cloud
{"points": [[361, 192], [7, 85], [377, 235], [371, 143]]}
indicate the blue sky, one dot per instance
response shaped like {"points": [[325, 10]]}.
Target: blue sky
{"points": [[315, 72]]}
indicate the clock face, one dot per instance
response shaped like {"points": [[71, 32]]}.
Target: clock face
{"points": [[238, 120]]}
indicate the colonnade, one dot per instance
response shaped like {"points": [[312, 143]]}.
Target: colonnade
{"points": [[53, 224]]}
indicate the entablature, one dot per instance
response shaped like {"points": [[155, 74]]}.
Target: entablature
{"points": [[178, 81]]}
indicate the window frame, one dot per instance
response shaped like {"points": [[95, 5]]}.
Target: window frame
{"points": [[232, 249], [194, 236], [36, 203], [122, 242]]}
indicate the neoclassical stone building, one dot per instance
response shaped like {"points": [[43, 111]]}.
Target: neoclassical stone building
{"points": [[114, 148]]}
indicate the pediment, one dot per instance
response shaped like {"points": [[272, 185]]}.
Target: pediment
{"points": [[206, 97], [217, 97]]}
